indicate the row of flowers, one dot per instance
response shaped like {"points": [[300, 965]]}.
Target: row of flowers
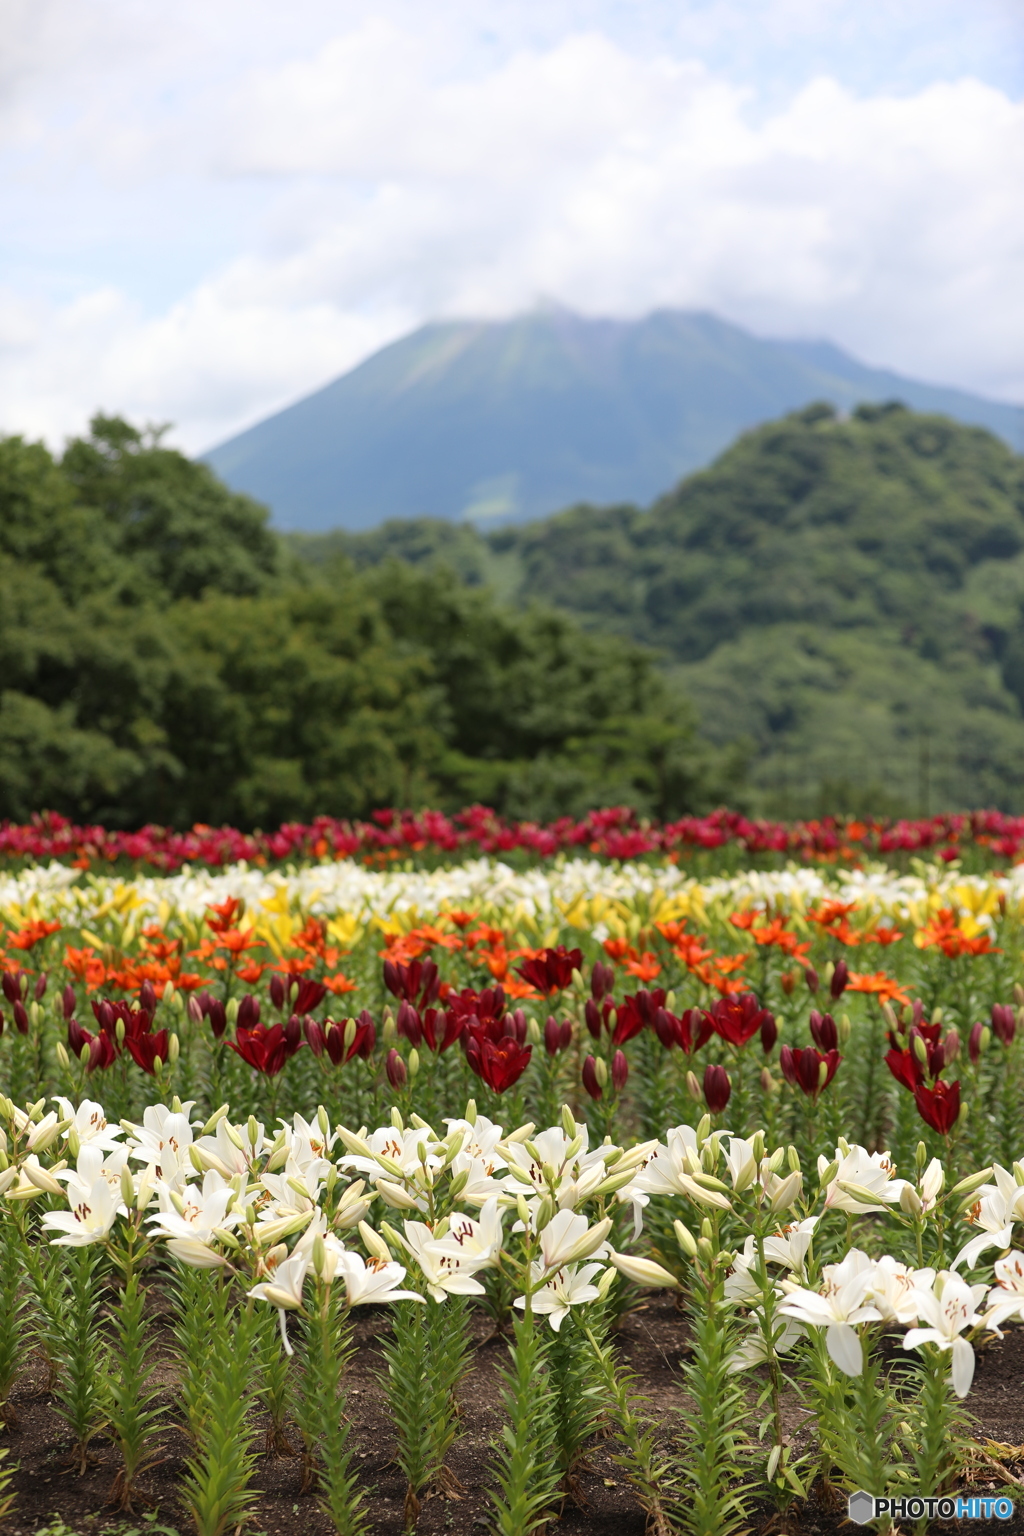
{"points": [[312, 1219], [615, 833]]}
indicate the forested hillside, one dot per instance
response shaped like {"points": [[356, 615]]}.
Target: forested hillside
{"points": [[163, 657], [844, 596]]}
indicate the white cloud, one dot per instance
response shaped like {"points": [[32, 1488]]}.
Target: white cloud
{"points": [[368, 173]]}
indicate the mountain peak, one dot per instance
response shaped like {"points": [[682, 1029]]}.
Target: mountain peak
{"points": [[508, 420]]}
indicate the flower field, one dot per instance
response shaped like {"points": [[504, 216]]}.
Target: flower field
{"points": [[565, 1183]]}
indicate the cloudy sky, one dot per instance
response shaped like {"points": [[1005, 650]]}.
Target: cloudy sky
{"points": [[210, 207]]}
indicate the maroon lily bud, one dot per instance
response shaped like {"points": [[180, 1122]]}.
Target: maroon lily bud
{"points": [[590, 1081], [620, 1071], [518, 1025], [602, 980], [552, 1036], [592, 1017], [409, 1025], [194, 1009], [293, 1033], [717, 1088], [10, 981], [147, 998], [39, 990], [811, 978], [769, 1033], [840, 977], [974, 1042], [823, 1031], [248, 1012], [664, 1026], [950, 1047], [316, 1038], [67, 1001], [20, 1017], [218, 1018], [1004, 1023], [394, 1066], [277, 991]]}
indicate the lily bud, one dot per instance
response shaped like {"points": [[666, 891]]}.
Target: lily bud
{"points": [[173, 1049], [910, 1201], [811, 978], [591, 1081], [620, 1071], [685, 1238], [63, 1058], [127, 1188], [693, 1087], [414, 1062], [394, 1067], [920, 1049]]}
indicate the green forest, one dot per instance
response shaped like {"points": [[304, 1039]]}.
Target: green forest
{"points": [[165, 657], [829, 618], [839, 599]]}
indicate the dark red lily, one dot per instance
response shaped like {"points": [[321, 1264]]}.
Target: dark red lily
{"points": [[268, 1047], [636, 1011], [418, 982], [591, 1082], [939, 1106], [738, 1019], [147, 1050], [802, 1068], [500, 1063], [551, 970]]}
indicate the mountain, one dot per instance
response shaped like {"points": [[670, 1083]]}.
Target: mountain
{"points": [[504, 421], [844, 598]]}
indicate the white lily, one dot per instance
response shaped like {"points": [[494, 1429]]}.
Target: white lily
{"points": [[371, 1280], [995, 1210], [754, 1351], [1006, 1296], [789, 1245], [570, 1286], [478, 1239], [949, 1307], [871, 1172], [447, 1270], [202, 1213], [89, 1123], [93, 1213], [838, 1307], [162, 1142], [567, 1238], [895, 1289]]}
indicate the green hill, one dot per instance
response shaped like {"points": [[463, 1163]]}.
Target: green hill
{"points": [[163, 658], [842, 597]]}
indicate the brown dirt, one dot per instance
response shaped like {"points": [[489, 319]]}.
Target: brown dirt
{"points": [[651, 1341]]}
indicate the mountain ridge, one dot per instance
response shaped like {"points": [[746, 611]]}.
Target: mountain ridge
{"points": [[507, 421]]}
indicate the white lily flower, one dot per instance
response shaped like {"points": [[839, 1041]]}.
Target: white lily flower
{"points": [[294, 1188], [995, 1210], [570, 1286], [221, 1149], [575, 1178], [754, 1351], [789, 1245], [284, 1291], [479, 1186], [643, 1271], [90, 1124], [741, 1163], [477, 1239], [1006, 1296], [91, 1164], [871, 1172], [949, 1307], [480, 1139], [307, 1140], [448, 1270], [401, 1153], [371, 1280], [203, 1213], [895, 1289], [93, 1213], [162, 1142], [567, 1238], [838, 1307]]}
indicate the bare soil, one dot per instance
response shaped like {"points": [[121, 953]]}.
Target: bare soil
{"points": [[652, 1342]]}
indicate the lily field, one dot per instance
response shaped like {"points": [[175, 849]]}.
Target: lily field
{"points": [[449, 1175]]}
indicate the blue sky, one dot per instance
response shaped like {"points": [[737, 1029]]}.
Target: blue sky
{"points": [[211, 207]]}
